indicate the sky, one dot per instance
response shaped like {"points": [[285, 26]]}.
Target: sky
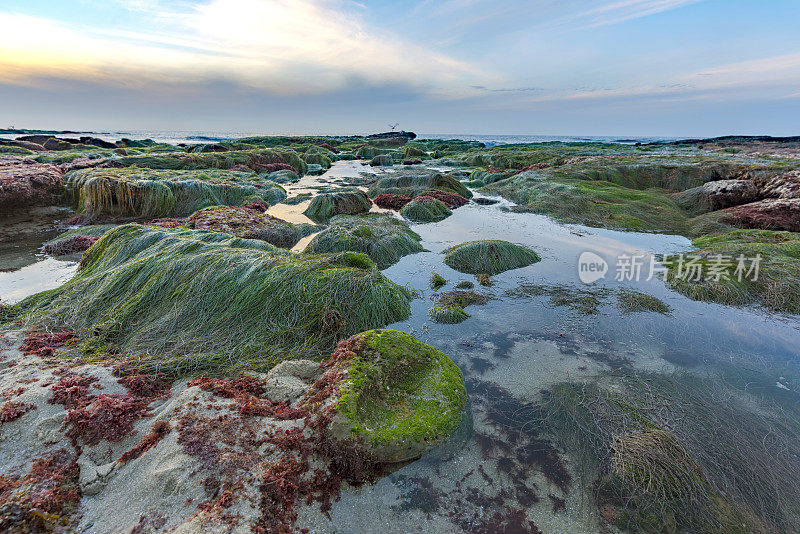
{"points": [[627, 68]]}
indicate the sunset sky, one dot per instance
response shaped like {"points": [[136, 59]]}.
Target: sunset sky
{"points": [[571, 67]]}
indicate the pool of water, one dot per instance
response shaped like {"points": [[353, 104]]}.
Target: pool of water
{"points": [[498, 471]]}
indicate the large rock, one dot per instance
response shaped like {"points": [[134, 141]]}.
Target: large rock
{"points": [[22, 144], [94, 141], [37, 139], [25, 184], [767, 214], [343, 202], [717, 195], [57, 144], [396, 396], [785, 185]]}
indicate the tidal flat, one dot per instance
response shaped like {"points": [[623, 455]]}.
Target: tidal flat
{"points": [[361, 334]]}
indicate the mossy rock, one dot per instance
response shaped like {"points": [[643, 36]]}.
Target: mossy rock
{"points": [[147, 193], [399, 397], [415, 183], [188, 301], [342, 202], [425, 209], [436, 281], [489, 257], [381, 160], [448, 314], [385, 239]]}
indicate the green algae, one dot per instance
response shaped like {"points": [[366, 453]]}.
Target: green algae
{"points": [[489, 257], [777, 286], [632, 301], [384, 238], [436, 281], [449, 306], [146, 193], [188, 301], [425, 209], [415, 183], [400, 390], [451, 314], [339, 202], [588, 301], [223, 160], [678, 452]]}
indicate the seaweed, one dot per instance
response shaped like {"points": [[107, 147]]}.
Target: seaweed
{"points": [[489, 257]]}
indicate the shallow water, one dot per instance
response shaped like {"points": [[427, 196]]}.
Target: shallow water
{"points": [[520, 343]]}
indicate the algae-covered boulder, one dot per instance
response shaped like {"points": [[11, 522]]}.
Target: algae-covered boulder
{"points": [[342, 202], [250, 223], [132, 192], [489, 257], [385, 239], [257, 160], [413, 183], [717, 195], [767, 214], [381, 160], [425, 209], [188, 300], [449, 306], [397, 397]]}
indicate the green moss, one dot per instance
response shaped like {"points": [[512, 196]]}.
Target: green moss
{"points": [[778, 284], [631, 301], [383, 238], [399, 390], [185, 301], [425, 209], [489, 257], [341, 202], [145, 193], [437, 281], [451, 314], [8, 149], [224, 160]]}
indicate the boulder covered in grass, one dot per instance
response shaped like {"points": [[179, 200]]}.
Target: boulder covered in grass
{"points": [[449, 307], [250, 223], [147, 193], [425, 209], [489, 257], [385, 239], [342, 202], [187, 301], [394, 396], [415, 182]]}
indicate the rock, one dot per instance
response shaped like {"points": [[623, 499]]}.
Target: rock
{"points": [[25, 184], [717, 195], [342, 202], [94, 478], [489, 257], [381, 160], [785, 185], [767, 214], [425, 209], [397, 397], [412, 161], [57, 144], [22, 144], [94, 141], [290, 380], [37, 139]]}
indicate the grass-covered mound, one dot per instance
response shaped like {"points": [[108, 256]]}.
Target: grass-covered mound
{"points": [[425, 209], [489, 257], [184, 301], [145, 193], [250, 223], [679, 452], [254, 159], [449, 306], [342, 202], [778, 284], [397, 396], [385, 239], [415, 183]]}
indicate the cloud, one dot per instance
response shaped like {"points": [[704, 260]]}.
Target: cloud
{"points": [[624, 10], [282, 46]]}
